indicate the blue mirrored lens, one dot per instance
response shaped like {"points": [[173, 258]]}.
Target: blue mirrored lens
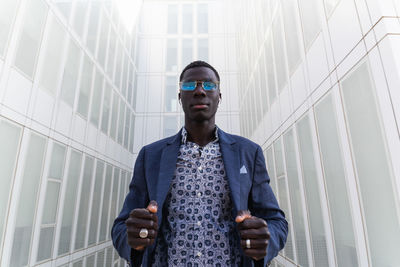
{"points": [[188, 86], [209, 85]]}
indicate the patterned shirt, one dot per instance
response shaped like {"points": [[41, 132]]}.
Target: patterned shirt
{"points": [[198, 228]]}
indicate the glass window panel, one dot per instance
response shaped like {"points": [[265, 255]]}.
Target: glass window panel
{"points": [[96, 99], [109, 256], [170, 125], [330, 6], [84, 203], [118, 66], [57, 161], [85, 87], [51, 202], [187, 19], [271, 168], [74, 170], [78, 263], [263, 83], [30, 37], [106, 109], [127, 127], [95, 210], [310, 19], [202, 49], [103, 40], [269, 60], [373, 167], [90, 260], [64, 8], [27, 201], [172, 19], [45, 243], [280, 169], [93, 28], [104, 231], [187, 51], [121, 190], [100, 258], [339, 206], [132, 133], [121, 122], [284, 204], [114, 199], [114, 116], [8, 9], [9, 142], [133, 103], [171, 94], [70, 76], [292, 34], [172, 55], [79, 23], [295, 198], [52, 57], [202, 18], [111, 53], [280, 62], [312, 191], [130, 82], [124, 76]]}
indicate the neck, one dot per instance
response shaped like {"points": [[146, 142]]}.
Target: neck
{"points": [[202, 132]]}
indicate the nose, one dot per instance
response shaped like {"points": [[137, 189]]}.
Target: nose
{"points": [[199, 90]]}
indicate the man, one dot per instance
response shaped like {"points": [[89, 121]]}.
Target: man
{"points": [[201, 197]]}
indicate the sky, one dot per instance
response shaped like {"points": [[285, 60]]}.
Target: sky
{"points": [[129, 9]]}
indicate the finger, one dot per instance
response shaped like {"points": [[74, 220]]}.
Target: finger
{"points": [[141, 223], [255, 243], [242, 215], [135, 233], [252, 223], [153, 206], [255, 253], [141, 213], [261, 233], [140, 242]]}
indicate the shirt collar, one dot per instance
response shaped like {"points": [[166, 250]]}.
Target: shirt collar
{"points": [[185, 133]]}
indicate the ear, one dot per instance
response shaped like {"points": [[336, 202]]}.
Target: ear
{"points": [[179, 96]]}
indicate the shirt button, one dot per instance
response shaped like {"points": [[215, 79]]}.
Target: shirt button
{"points": [[200, 168], [199, 254], [198, 223], [199, 194]]}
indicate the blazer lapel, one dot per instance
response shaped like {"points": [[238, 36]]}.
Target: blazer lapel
{"points": [[230, 156], [167, 168]]}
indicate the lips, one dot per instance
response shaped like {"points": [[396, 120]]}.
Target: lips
{"points": [[199, 106]]}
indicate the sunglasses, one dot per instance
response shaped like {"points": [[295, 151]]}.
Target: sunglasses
{"points": [[191, 85]]}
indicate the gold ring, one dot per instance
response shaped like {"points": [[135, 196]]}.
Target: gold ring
{"points": [[143, 233], [248, 243]]}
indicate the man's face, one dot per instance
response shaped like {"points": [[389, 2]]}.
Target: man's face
{"points": [[199, 105]]}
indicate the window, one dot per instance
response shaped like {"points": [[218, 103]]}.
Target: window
{"points": [[187, 19], [79, 23], [172, 27], [280, 62], [114, 117], [93, 28], [64, 8], [121, 120], [96, 202], [269, 62], [202, 18], [309, 11], [106, 109], [202, 49], [85, 87], [312, 191], [127, 127], [271, 169], [114, 199], [103, 40], [111, 54], [96, 99], [8, 9], [104, 228], [172, 55], [84, 204], [9, 143], [263, 83], [330, 6], [373, 166], [27, 202], [335, 177], [170, 125], [171, 94], [132, 133], [187, 51], [70, 76], [30, 37], [68, 210], [118, 66]]}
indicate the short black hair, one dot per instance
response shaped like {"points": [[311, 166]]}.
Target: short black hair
{"points": [[198, 63]]}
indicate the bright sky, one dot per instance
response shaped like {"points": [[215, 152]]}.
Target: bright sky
{"points": [[129, 9]]}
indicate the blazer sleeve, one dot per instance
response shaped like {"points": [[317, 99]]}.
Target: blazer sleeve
{"points": [[136, 198], [263, 204]]}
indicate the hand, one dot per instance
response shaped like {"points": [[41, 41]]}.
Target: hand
{"points": [[139, 219], [256, 230]]}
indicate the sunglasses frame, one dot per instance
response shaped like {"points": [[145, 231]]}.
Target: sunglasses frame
{"points": [[202, 85]]}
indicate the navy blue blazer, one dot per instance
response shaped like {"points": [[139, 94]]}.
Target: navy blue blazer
{"points": [[153, 172]]}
